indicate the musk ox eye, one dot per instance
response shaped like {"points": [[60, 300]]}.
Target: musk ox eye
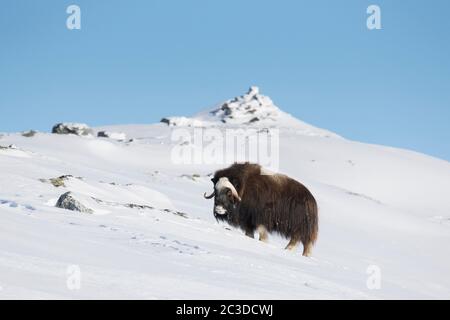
{"points": [[231, 197]]}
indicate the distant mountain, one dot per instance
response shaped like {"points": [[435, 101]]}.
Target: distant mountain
{"points": [[251, 109]]}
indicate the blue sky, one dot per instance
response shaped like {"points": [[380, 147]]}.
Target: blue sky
{"points": [[137, 61]]}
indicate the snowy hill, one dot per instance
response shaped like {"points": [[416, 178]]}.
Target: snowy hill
{"points": [[249, 110], [152, 235]]}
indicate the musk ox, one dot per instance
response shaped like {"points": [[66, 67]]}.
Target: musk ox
{"points": [[248, 197]]}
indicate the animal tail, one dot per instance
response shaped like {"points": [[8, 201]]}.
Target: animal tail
{"points": [[312, 216]]}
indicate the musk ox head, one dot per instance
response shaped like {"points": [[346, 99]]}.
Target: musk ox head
{"points": [[226, 198]]}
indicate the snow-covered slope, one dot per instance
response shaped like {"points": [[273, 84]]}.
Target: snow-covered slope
{"points": [[152, 235]]}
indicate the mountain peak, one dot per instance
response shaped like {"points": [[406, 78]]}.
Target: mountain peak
{"points": [[249, 108], [252, 109]]}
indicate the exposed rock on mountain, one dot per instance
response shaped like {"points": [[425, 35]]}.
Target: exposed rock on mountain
{"points": [[79, 129], [68, 201], [120, 136]]}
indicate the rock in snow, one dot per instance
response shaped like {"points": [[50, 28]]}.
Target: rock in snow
{"points": [[182, 121], [79, 129], [68, 201], [120, 136], [11, 146], [29, 133], [59, 182]]}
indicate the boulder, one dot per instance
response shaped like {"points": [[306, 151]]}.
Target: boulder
{"points": [[182, 122], [120, 136], [29, 133], [11, 146], [69, 202], [79, 129], [166, 121]]}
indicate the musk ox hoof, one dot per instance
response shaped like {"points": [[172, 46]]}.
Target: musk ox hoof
{"points": [[307, 249], [293, 244], [263, 234]]}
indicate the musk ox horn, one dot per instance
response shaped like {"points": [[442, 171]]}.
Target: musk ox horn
{"points": [[210, 196], [225, 183]]}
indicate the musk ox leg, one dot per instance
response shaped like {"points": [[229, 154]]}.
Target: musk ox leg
{"points": [[250, 233], [292, 245], [307, 248], [263, 236]]}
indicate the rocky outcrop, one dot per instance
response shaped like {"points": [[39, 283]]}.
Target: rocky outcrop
{"points": [[10, 147], [251, 108], [182, 122], [29, 133], [79, 129]]}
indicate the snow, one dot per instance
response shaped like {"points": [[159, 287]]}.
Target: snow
{"points": [[154, 236]]}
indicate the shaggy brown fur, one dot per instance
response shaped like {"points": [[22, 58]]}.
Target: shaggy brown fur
{"points": [[275, 203]]}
